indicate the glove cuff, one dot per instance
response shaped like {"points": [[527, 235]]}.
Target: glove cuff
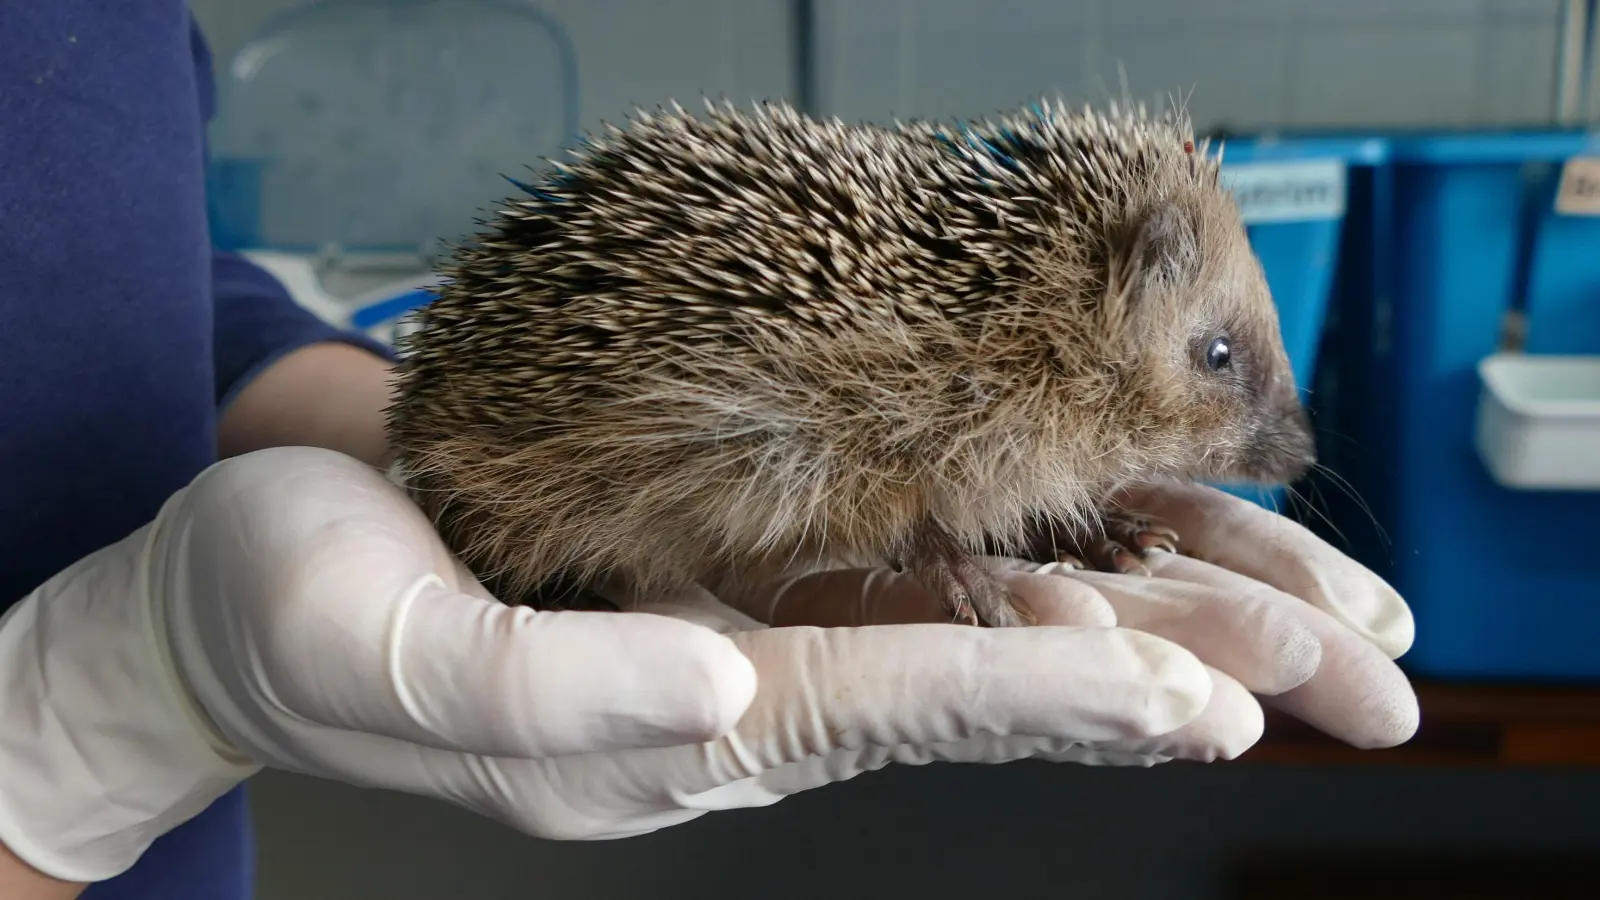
{"points": [[100, 754]]}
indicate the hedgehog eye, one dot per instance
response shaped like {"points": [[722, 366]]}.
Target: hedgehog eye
{"points": [[1219, 354]]}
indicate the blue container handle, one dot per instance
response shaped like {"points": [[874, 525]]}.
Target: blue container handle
{"points": [[376, 314]]}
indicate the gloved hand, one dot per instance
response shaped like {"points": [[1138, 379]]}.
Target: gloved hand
{"points": [[292, 608], [1266, 604], [1358, 694]]}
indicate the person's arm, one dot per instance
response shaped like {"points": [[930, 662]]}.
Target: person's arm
{"points": [[20, 881], [285, 378], [328, 395]]}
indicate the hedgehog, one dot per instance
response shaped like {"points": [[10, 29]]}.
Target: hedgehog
{"points": [[721, 348]]}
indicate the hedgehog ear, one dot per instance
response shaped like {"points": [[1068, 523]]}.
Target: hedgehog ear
{"points": [[1166, 245], [1163, 250]]}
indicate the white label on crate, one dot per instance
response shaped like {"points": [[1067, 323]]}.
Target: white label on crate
{"points": [[1304, 191], [1579, 193]]}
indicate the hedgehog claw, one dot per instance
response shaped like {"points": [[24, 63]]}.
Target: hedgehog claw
{"points": [[963, 614], [1121, 545], [1156, 540], [1124, 561], [968, 592], [1001, 610]]}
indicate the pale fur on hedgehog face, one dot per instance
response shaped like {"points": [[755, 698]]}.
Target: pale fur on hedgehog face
{"points": [[719, 346], [1166, 279]]}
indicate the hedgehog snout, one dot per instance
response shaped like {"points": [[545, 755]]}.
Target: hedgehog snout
{"points": [[1281, 447]]}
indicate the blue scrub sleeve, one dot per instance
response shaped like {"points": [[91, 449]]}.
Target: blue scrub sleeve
{"points": [[258, 323]]}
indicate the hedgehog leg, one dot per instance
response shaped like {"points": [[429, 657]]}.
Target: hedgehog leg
{"points": [[1120, 543], [970, 594]]}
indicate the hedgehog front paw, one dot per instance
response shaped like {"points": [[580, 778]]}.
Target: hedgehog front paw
{"points": [[972, 595], [969, 593], [1119, 542]]}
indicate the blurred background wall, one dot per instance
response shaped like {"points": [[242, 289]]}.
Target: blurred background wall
{"points": [[1167, 834], [1249, 63]]}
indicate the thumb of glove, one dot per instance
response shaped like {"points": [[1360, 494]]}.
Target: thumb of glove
{"points": [[303, 594]]}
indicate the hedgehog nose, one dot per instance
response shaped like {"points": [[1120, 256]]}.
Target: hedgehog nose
{"points": [[1280, 449], [1303, 443], [1285, 448]]}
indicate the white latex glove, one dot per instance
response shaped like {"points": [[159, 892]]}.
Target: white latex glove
{"points": [[291, 608], [1269, 607], [1358, 694]]}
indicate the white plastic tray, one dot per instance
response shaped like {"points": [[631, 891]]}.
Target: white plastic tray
{"points": [[1539, 421]]}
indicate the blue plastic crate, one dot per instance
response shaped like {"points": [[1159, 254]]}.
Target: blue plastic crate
{"points": [[1504, 583], [1294, 193]]}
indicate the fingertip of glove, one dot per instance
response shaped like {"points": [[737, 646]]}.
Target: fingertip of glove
{"points": [[1180, 685], [718, 684], [665, 682], [1394, 719], [739, 684], [1232, 722], [1247, 719], [1359, 697], [1366, 604], [1397, 628]]}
